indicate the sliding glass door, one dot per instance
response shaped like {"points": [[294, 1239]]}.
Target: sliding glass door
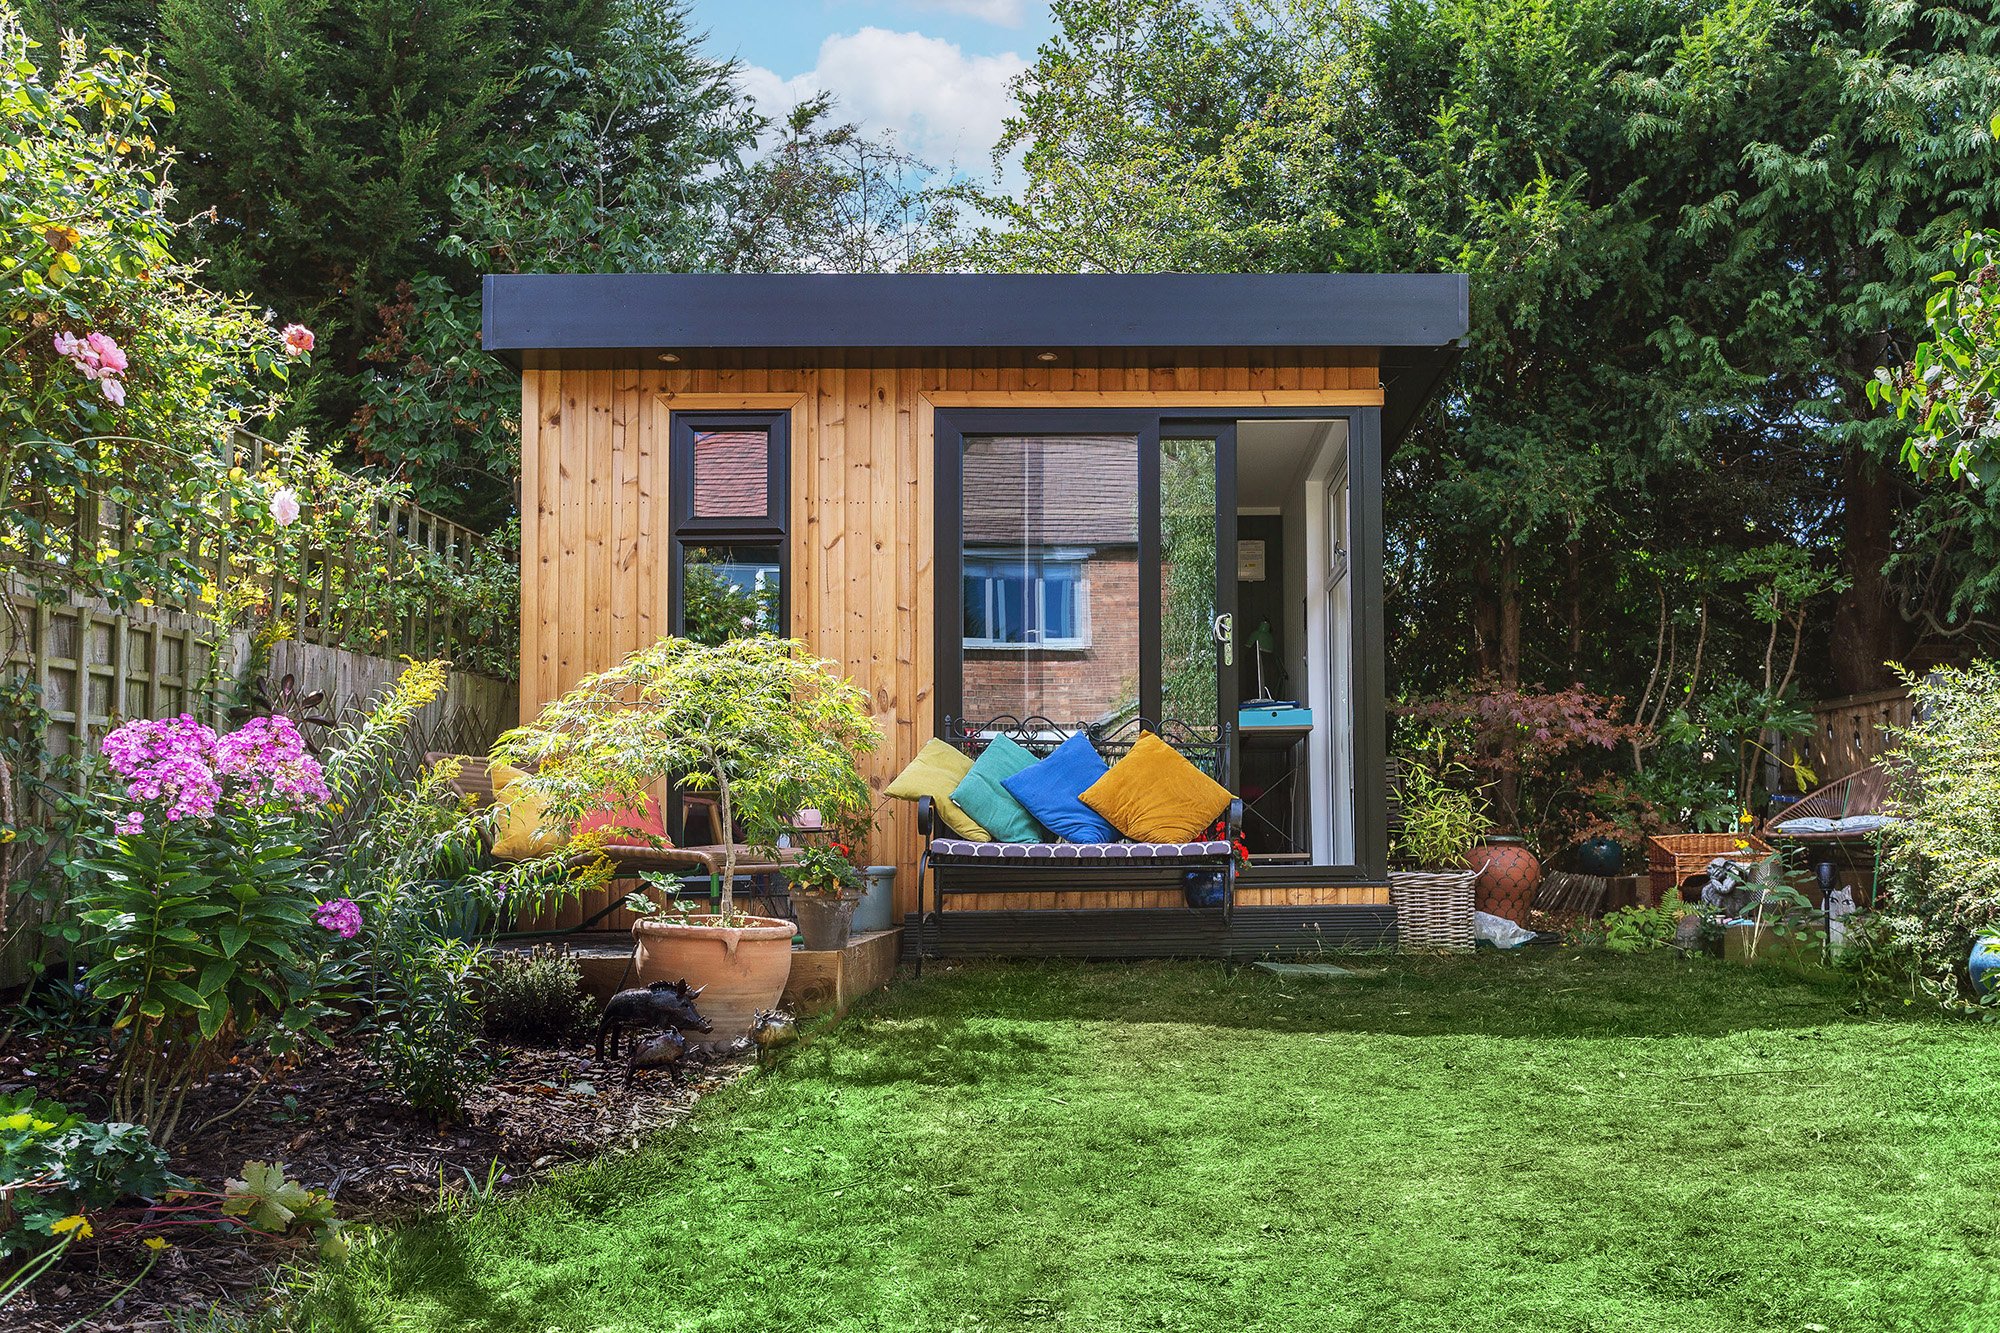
{"points": [[1087, 584]]}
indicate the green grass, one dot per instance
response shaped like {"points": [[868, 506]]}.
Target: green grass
{"points": [[1560, 1141]]}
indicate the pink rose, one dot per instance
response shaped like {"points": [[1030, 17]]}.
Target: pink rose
{"points": [[68, 344], [285, 507], [113, 389], [298, 340], [110, 356]]}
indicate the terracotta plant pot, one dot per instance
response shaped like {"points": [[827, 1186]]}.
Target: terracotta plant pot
{"points": [[825, 919], [744, 967], [1508, 874]]}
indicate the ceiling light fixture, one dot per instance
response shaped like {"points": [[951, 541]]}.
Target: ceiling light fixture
{"points": [[671, 358], [1045, 357]]}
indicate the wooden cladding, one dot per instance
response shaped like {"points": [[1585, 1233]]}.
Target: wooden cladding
{"points": [[596, 521]]}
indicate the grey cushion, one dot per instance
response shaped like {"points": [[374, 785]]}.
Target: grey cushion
{"points": [[1077, 851]]}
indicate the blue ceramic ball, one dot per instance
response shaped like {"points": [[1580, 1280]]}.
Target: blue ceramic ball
{"points": [[1984, 962]]}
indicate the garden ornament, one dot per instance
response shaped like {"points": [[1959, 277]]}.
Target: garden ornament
{"points": [[664, 1004], [770, 1029], [663, 1051]]}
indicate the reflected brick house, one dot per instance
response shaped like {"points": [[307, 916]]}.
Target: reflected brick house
{"points": [[1051, 577]]}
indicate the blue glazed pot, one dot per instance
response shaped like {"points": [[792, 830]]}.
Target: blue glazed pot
{"points": [[1205, 888], [1600, 856], [1984, 963]]}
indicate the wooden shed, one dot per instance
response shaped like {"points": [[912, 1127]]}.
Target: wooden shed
{"points": [[1085, 499]]}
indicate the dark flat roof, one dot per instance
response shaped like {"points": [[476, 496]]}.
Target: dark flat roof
{"points": [[695, 311]]}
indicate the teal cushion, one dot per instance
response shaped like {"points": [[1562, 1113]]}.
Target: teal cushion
{"points": [[981, 795]]}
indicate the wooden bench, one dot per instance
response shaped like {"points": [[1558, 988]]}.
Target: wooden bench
{"points": [[474, 784], [952, 866]]}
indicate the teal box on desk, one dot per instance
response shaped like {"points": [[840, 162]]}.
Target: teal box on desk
{"points": [[1273, 715]]}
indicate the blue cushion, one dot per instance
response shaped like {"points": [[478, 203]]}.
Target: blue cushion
{"points": [[980, 794], [1050, 790]]}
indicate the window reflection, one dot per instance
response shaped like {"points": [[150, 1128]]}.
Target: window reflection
{"points": [[732, 473], [1051, 577]]}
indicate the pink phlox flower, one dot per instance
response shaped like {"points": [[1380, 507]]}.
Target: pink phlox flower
{"points": [[169, 760], [131, 824], [268, 757], [285, 506], [298, 340], [342, 916]]}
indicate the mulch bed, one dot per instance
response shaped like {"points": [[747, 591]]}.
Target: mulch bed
{"points": [[334, 1129]]}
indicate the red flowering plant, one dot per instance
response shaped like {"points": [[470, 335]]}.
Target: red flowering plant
{"points": [[824, 863]]}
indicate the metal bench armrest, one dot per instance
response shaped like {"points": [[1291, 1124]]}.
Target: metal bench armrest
{"points": [[927, 818]]}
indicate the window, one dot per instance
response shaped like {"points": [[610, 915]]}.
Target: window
{"points": [[1024, 602], [728, 555]]}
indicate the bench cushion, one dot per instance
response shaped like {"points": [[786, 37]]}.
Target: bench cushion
{"points": [[1050, 789], [1154, 794], [1078, 851], [991, 805], [936, 770]]}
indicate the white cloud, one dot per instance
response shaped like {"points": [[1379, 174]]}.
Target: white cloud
{"points": [[1007, 13], [943, 105]]}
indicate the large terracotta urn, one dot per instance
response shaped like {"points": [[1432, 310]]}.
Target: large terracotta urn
{"points": [[1508, 874], [743, 967]]}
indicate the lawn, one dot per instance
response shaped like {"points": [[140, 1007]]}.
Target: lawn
{"points": [[1563, 1141]]}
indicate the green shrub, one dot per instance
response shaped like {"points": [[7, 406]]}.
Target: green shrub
{"points": [[1941, 857], [57, 1165], [1637, 929], [537, 997], [1443, 816]]}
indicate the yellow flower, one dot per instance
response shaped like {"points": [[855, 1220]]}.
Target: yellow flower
{"points": [[74, 1222], [145, 601], [154, 1243]]}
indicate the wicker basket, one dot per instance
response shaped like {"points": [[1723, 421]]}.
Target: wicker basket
{"points": [[1433, 908], [1673, 857]]}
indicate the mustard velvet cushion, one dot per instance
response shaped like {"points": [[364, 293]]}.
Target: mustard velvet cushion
{"points": [[520, 822], [1154, 794], [936, 772]]}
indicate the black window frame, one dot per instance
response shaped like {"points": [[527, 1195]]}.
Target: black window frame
{"points": [[773, 529]]}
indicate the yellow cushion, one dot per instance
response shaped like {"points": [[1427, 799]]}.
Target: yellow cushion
{"points": [[1154, 794], [937, 769], [520, 830]]}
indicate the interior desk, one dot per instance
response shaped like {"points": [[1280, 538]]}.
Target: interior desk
{"points": [[1274, 756]]}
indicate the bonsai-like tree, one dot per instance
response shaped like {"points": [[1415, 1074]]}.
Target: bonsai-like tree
{"points": [[760, 722]]}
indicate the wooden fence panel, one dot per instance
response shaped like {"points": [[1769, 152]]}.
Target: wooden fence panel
{"points": [[1851, 733]]}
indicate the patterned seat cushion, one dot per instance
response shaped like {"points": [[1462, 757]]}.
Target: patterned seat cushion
{"points": [[1076, 851]]}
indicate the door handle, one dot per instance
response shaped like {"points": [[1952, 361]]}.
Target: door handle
{"points": [[1224, 628]]}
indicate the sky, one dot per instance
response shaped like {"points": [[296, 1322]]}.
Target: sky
{"points": [[935, 72]]}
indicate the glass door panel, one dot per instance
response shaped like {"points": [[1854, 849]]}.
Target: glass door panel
{"points": [[1050, 568], [1190, 667]]}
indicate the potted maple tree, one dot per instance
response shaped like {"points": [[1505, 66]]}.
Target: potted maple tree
{"points": [[760, 724]]}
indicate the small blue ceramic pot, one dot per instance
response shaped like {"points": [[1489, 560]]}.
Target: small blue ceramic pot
{"points": [[1600, 856], [1205, 888]]}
